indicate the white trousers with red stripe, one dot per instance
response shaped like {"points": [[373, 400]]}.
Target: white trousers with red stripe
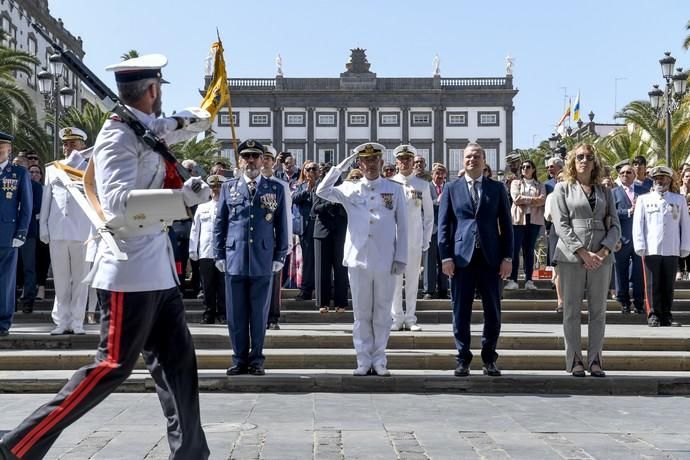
{"points": [[150, 324]]}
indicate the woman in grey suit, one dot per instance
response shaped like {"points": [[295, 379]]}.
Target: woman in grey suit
{"points": [[588, 228]]}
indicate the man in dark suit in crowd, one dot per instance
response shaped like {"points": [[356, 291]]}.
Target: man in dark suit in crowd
{"points": [[250, 243], [475, 239], [435, 282], [626, 196]]}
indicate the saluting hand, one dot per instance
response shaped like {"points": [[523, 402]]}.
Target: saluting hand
{"points": [[346, 161]]}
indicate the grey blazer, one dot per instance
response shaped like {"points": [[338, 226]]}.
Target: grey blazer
{"points": [[578, 226]]}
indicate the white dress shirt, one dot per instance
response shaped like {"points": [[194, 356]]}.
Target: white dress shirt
{"points": [[661, 225], [201, 235]]}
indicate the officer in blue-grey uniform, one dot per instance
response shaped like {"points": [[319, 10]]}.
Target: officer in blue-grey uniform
{"points": [[15, 215], [251, 241], [142, 309]]}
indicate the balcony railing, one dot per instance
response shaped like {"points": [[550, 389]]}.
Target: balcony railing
{"points": [[474, 82], [267, 83], [382, 84]]}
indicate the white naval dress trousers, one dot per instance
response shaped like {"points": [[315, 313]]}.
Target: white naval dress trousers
{"points": [[67, 228], [376, 236], [420, 222]]}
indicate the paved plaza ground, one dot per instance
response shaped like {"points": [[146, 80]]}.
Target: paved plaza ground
{"points": [[383, 426]]}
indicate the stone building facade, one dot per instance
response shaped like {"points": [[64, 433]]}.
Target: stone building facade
{"points": [[322, 119]]}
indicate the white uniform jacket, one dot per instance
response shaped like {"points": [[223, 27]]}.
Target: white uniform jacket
{"points": [[61, 218], [376, 220], [420, 210], [124, 163], [201, 236], [661, 225]]}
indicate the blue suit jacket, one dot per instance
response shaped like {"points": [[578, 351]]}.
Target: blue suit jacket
{"points": [[458, 224], [622, 205], [16, 204], [250, 234], [37, 194]]}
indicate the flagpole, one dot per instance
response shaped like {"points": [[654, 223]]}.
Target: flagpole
{"points": [[232, 119]]}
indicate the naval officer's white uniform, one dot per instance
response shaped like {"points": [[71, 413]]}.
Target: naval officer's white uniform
{"points": [[420, 224], [661, 234], [64, 226], [376, 238]]}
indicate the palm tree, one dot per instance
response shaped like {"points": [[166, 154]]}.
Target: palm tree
{"points": [[686, 43], [204, 152], [17, 111], [129, 55], [90, 120]]}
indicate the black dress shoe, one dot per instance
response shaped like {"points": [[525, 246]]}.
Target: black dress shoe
{"points": [[4, 333], [207, 320], [237, 370], [653, 321], [625, 309], [221, 320], [463, 370], [28, 306], [639, 310], [257, 370], [491, 370], [274, 326], [669, 323]]}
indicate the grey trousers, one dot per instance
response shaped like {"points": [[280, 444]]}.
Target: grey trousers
{"points": [[577, 283]]}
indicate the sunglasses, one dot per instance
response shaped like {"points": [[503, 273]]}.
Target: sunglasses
{"points": [[526, 167], [311, 169], [582, 156], [419, 161], [250, 155], [33, 158]]}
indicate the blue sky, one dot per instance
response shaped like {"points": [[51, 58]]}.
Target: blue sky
{"points": [[558, 48]]}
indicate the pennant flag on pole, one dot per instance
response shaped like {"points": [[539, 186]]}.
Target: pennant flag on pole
{"points": [[576, 108], [217, 94]]}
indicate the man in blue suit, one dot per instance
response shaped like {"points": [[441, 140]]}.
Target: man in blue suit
{"points": [[625, 197], [250, 244], [475, 241], [15, 214]]}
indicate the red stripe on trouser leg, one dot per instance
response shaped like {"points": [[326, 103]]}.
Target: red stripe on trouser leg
{"points": [[86, 385], [647, 305]]}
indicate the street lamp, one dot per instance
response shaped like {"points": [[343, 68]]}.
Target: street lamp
{"points": [[553, 141], [676, 85], [54, 96]]}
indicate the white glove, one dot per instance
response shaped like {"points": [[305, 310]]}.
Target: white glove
{"points": [[277, 266], [398, 268], [220, 265], [346, 161], [45, 238], [193, 119], [192, 198], [16, 243], [194, 256], [425, 248]]}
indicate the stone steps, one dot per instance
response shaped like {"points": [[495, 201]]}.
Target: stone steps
{"points": [[330, 358], [342, 381]]}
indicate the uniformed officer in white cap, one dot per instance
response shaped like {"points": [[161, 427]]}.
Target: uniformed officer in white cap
{"points": [[375, 250], [420, 224], [63, 225], [661, 233], [141, 304]]}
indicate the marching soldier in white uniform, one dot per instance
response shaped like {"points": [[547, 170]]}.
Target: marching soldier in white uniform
{"points": [[375, 250], [661, 233], [64, 226], [420, 224], [142, 309]]}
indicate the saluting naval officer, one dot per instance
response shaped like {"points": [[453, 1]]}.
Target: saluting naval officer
{"points": [[15, 215], [250, 242], [420, 224], [375, 250], [63, 225], [661, 233], [141, 305]]}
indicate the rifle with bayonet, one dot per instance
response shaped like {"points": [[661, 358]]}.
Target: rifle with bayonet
{"points": [[112, 102]]}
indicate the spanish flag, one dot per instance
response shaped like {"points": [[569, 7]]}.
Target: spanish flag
{"points": [[217, 94], [565, 115]]}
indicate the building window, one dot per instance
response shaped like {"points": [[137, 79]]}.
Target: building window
{"points": [[420, 119], [325, 119], [389, 119], [294, 119], [326, 156], [259, 119], [224, 119], [454, 162], [487, 118], [424, 153], [456, 118], [491, 159], [298, 155], [388, 156], [358, 119]]}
